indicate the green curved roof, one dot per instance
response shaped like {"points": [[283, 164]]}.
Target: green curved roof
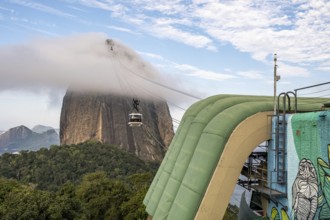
{"points": [[183, 176]]}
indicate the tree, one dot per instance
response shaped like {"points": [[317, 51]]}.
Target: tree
{"points": [[28, 203], [101, 197]]}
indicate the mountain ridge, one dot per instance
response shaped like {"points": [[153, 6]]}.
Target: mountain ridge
{"points": [[22, 138], [41, 128]]}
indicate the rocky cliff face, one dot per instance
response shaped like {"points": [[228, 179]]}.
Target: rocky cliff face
{"points": [[16, 134], [104, 118], [22, 138]]}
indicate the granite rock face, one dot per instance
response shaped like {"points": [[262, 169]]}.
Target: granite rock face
{"points": [[104, 118]]}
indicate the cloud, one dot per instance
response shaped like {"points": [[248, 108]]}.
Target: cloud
{"points": [[203, 74], [136, 13], [186, 69], [325, 66], [55, 97], [96, 4], [285, 70], [166, 7], [297, 30], [251, 74], [42, 7], [42, 31], [77, 9], [120, 29], [169, 32], [151, 55], [83, 62], [6, 9]]}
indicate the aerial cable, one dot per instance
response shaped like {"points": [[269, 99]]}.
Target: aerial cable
{"points": [[134, 117], [161, 98], [314, 92], [160, 84], [151, 94], [123, 82], [111, 44], [146, 91], [173, 119], [176, 121], [128, 86], [317, 101], [173, 104], [324, 96], [147, 131]]}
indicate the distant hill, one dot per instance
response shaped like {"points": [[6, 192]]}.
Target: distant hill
{"points": [[22, 138], [41, 128]]}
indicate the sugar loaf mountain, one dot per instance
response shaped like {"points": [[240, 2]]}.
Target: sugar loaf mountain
{"points": [[104, 118], [99, 118]]}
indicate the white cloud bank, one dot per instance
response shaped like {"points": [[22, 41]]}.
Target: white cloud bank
{"points": [[85, 62]]}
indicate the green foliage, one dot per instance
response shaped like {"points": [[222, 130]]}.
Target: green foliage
{"points": [[96, 197], [138, 185], [51, 168], [22, 202], [99, 194], [67, 205], [85, 181]]}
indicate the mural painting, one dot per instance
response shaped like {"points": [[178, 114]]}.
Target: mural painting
{"points": [[304, 191], [276, 215], [308, 167], [324, 198]]}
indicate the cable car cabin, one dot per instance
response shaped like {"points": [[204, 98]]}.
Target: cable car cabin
{"points": [[135, 119]]}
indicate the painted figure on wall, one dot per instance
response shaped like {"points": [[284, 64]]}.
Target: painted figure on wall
{"points": [[275, 215], [324, 177], [305, 191]]}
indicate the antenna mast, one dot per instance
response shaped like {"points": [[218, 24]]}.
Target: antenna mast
{"points": [[276, 78]]}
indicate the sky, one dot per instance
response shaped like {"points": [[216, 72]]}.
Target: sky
{"points": [[199, 47]]}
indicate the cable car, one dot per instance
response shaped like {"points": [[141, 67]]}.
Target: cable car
{"points": [[135, 118]]}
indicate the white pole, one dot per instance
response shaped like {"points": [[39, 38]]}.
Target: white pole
{"points": [[275, 80]]}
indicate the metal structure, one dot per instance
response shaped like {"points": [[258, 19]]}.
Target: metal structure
{"points": [[135, 117]]}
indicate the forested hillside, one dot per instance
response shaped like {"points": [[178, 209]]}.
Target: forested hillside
{"points": [[50, 168], [95, 197], [85, 181]]}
